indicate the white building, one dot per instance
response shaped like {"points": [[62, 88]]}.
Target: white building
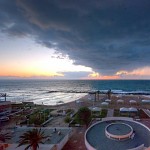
{"points": [[58, 137], [117, 133]]}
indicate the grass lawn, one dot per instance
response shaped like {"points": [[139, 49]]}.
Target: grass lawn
{"points": [[39, 116]]}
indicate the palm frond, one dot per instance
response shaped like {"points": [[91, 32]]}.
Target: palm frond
{"points": [[32, 137], [4, 136]]}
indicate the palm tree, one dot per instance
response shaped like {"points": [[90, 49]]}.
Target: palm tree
{"points": [[109, 93], [4, 136], [95, 95], [98, 92], [33, 138]]}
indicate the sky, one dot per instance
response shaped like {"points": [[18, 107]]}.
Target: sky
{"points": [[75, 39]]}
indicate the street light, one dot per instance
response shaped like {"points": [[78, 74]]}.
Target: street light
{"points": [[93, 103], [40, 115], [44, 114]]}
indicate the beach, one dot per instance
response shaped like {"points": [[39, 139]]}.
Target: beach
{"points": [[85, 101], [51, 92]]}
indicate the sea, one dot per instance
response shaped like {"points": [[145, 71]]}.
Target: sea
{"points": [[52, 92]]}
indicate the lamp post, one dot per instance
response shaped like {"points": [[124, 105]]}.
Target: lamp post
{"points": [[93, 103], [41, 115], [44, 114]]}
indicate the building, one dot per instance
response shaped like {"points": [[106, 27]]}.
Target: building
{"points": [[5, 106], [58, 137], [117, 133]]}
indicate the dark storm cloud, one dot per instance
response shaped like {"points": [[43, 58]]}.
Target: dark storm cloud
{"points": [[107, 35]]}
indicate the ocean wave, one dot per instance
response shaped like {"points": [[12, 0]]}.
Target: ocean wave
{"points": [[131, 92], [68, 91], [103, 92]]}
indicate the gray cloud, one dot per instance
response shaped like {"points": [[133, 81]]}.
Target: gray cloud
{"points": [[107, 35], [74, 75]]}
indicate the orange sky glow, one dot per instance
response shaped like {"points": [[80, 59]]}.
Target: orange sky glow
{"points": [[37, 72]]}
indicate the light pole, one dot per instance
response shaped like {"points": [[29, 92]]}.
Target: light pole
{"points": [[41, 115], [93, 103], [44, 114]]}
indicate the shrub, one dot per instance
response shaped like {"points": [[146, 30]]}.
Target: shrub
{"points": [[83, 116], [103, 113], [67, 119]]}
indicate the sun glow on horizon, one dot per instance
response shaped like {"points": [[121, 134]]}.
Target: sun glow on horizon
{"points": [[143, 72], [41, 68], [97, 76], [29, 59]]}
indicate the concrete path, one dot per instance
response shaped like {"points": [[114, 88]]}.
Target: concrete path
{"points": [[110, 112], [76, 142], [147, 112]]}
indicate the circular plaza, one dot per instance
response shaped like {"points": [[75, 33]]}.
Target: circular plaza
{"points": [[117, 134]]}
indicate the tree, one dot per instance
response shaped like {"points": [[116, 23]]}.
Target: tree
{"points": [[95, 96], [67, 119], [83, 116], [109, 93], [98, 92], [4, 136], [33, 138]]}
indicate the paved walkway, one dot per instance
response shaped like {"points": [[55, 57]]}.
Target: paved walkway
{"points": [[110, 113], [76, 142], [145, 122], [147, 112]]}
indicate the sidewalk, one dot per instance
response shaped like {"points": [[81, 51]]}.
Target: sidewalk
{"points": [[110, 113], [147, 112], [76, 142]]}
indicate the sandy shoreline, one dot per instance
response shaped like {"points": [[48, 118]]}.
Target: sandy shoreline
{"points": [[85, 101]]}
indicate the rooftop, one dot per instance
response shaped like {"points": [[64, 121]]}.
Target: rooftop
{"points": [[95, 136], [118, 128], [55, 137]]}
